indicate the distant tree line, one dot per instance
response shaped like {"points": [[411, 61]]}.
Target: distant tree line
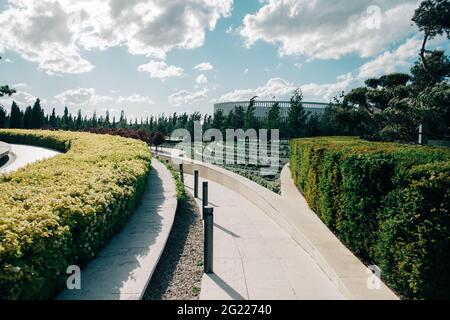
{"points": [[34, 117]]}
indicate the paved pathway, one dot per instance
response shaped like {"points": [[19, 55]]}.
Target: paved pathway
{"points": [[124, 267], [254, 258], [4, 149], [22, 155]]}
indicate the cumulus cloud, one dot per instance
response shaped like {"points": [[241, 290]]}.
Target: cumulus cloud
{"points": [[204, 66], [327, 91], [184, 97], [280, 89], [323, 29], [21, 97], [144, 27], [88, 97], [82, 97], [161, 70], [201, 79], [275, 87], [398, 60]]}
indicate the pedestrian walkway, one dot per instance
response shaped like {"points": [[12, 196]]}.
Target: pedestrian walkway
{"points": [[254, 258], [23, 155], [124, 267]]}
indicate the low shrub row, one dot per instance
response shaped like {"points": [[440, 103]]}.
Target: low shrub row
{"points": [[61, 211], [389, 203]]}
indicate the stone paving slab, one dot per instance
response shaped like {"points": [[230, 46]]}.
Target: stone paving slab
{"points": [[122, 270], [254, 258]]}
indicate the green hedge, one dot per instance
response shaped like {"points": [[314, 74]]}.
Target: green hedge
{"points": [[389, 203], [62, 211]]}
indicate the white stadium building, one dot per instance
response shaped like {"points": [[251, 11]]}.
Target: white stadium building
{"points": [[262, 107]]}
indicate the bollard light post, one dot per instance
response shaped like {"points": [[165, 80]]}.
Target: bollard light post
{"points": [[181, 172], [204, 198], [208, 250], [196, 184]]}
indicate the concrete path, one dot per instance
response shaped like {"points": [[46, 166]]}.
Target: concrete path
{"points": [[124, 267], [4, 149], [254, 258], [22, 155]]}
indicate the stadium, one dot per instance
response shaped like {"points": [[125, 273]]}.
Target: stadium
{"points": [[263, 107]]}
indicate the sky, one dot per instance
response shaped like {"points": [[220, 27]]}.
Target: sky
{"points": [[149, 57]]}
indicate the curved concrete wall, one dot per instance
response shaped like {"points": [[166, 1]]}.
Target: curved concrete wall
{"points": [[292, 213]]}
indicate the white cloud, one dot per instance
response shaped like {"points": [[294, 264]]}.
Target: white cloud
{"points": [[7, 60], [22, 98], [204, 66], [82, 97], [54, 34], [21, 85], [201, 79], [398, 60], [280, 89], [326, 92], [275, 87], [135, 98], [324, 29], [184, 97], [246, 71], [161, 70], [88, 97], [298, 65]]}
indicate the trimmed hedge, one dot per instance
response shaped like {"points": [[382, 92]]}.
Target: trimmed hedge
{"points": [[62, 211], [389, 203]]}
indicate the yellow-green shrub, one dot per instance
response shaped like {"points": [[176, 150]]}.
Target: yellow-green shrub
{"points": [[61, 211], [389, 203]]}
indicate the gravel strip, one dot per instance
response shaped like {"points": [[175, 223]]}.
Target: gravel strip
{"points": [[179, 272]]}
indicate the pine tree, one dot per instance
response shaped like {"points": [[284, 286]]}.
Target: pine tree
{"points": [[2, 117], [79, 120], [15, 120], [36, 120], [274, 117], [297, 116], [52, 120], [27, 117]]}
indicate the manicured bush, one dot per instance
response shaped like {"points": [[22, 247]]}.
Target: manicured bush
{"points": [[61, 211], [389, 203]]}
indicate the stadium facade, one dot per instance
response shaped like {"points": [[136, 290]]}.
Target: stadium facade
{"points": [[262, 107]]}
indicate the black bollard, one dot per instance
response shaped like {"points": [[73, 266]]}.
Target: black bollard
{"points": [[196, 184], [209, 240], [204, 198], [181, 172]]}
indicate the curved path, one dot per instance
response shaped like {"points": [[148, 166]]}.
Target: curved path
{"points": [[122, 270], [254, 258], [22, 155], [4, 149]]}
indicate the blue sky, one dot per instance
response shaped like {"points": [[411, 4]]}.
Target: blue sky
{"points": [[140, 55]]}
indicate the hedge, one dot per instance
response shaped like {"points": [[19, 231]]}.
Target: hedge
{"points": [[62, 211], [389, 203]]}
